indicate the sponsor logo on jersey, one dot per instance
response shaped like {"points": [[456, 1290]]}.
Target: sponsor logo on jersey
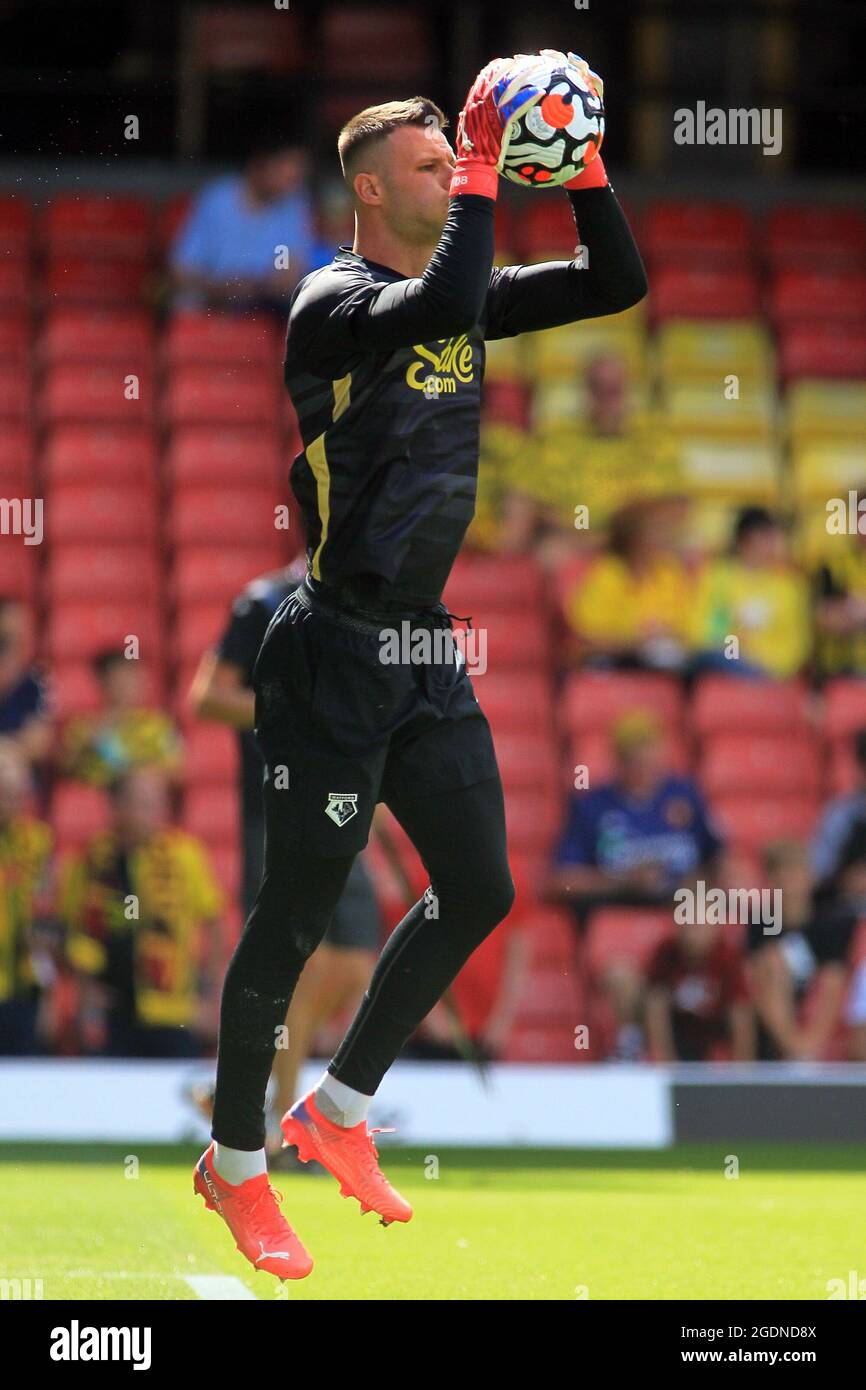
{"points": [[437, 373]]}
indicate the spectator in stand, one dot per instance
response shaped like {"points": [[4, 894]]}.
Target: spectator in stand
{"points": [[142, 909], [632, 608], [804, 964], [599, 462], [632, 841], [334, 225], [226, 255], [832, 840], [840, 610], [758, 597], [698, 998], [24, 707], [125, 733], [26, 945]]}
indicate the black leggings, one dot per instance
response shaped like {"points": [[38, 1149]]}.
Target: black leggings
{"points": [[460, 836]]}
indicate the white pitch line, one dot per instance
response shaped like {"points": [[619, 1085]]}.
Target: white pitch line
{"points": [[218, 1286]]}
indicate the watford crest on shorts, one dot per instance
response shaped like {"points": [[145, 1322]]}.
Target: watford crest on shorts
{"points": [[341, 806]]}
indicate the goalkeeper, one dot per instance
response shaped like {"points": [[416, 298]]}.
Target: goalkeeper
{"points": [[384, 363]]}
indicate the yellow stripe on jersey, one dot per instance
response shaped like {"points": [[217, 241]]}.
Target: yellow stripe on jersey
{"points": [[318, 461]]}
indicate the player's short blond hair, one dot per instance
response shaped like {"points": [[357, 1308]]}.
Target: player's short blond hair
{"points": [[375, 123]]}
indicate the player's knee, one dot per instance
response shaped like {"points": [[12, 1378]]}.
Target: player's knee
{"points": [[495, 897]]}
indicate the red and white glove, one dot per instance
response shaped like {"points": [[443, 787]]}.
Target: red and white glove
{"points": [[500, 93]]}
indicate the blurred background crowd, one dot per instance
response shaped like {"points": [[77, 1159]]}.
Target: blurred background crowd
{"points": [[676, 637]]}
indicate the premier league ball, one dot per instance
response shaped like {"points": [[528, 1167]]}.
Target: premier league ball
{"points": [[555, 138]]}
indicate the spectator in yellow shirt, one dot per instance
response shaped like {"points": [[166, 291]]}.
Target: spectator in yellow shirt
{"points": [[753, 611], [25, 951], [598, 463], [632, 608], [141, 908], [125, 733]]}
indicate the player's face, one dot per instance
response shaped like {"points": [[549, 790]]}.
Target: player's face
{"points": [[416, 175]]}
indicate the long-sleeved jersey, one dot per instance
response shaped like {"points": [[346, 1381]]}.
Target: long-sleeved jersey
{"points": [[385, 375]]}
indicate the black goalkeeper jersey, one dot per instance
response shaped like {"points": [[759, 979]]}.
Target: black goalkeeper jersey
{"points": [[385, 374]]}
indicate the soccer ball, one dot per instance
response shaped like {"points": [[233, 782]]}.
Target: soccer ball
{"points": [[556, 137]]}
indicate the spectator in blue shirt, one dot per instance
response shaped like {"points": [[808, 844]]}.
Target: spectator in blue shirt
{"points": [[832, 876], [24, 712], [632, 841], [227, 253], [638, 837]]}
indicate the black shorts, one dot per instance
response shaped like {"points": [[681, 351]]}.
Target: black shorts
{"points": [[341, 729]]}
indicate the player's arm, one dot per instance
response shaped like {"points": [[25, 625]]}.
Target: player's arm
{"points": [[220, 688], [449, 298], [218, 692], [605, 278]]}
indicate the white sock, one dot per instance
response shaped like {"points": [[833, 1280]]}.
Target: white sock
{"points": [[237, 1165], [339, 1103]]}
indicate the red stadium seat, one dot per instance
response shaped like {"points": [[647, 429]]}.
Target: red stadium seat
{"points": [[15, 285], [18, 566], [97, 393], [551, 935], [495, 582], [125, 571], [844, 707], [78, 813], [818, 293], [211, 753], [844, 774], [822, 350], [206, 572], [81, 630], [503, 643], [545, 227], [98, 335], [506, 403], [16, 459], [680, 292], [103, 453], [755, 821], [526, 759], [195, 630], [212, 813], [238, 515], [550, 997], [15, 339], [98, 283], [697, 234], [15, 395], [536, 1042], [16, 225], [203, 454], [102, 512], [375, 41], [97, 226], [194, 338], [596, 699], [534, 819], [738, 704], [810, 235], [230, 396], [515, 699], [626, 933], [762, 764], [169, 220]]}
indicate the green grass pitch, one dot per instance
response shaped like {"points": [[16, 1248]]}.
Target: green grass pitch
{"points": [[520, 1224]]}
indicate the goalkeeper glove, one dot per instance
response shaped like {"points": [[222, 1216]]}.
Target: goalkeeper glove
{"points": [[500, 93]]}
